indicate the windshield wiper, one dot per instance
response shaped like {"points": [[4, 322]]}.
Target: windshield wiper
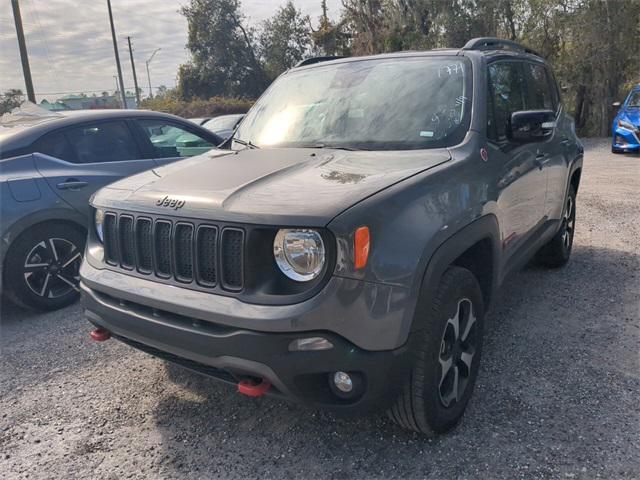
{"points": [[247, 144], [337, 147]]}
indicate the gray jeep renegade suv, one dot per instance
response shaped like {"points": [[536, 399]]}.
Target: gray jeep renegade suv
{"points": [[344, 250]]}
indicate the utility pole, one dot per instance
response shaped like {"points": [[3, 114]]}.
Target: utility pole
{"points": [[22, 45], [148, 76], [115, 79], [115, 51], [135, 78]]}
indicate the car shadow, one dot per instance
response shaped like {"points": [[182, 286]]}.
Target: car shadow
{"points": [[11, 313], [554, 383]]}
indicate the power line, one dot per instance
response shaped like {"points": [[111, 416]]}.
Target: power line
{"points": [[130, 88], [34, 12]]}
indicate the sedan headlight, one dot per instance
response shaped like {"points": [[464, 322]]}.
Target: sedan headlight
{"points": [[299, 253], [625, 124], [99, 222]]}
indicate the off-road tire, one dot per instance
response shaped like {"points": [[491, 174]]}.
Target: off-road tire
{"points": [[419, 406], [557, 251]]}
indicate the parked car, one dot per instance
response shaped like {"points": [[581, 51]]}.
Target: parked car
{"points": [[199, 120], [50, 167], [224, 125], [181, 142], [345, 255], [626, 125]]}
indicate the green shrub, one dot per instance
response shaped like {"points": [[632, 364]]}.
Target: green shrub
{"points": [[213, 107]]}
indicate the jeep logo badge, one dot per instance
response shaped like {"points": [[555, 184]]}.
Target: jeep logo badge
{"points": [[170, 202]]}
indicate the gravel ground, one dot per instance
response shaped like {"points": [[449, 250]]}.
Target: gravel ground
{"points": [[557, 395]]}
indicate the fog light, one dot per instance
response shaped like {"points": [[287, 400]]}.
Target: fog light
{"points": [[343, 382], [312, 343]]}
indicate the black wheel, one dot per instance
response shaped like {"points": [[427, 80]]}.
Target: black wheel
{"points": [[616, 150], [441, 381], [42, 266], [556, 253]]}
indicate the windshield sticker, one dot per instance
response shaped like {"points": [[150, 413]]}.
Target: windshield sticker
{"points": [[426, 133], [451, 69]]}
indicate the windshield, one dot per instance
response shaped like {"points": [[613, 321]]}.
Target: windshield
{"points": [[634, 99], [379, 104]]}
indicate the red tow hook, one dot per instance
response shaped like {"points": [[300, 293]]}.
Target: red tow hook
{"points": [[250, 389], [100, 334]]}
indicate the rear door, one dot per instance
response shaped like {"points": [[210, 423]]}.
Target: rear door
{"points": [[521, 182], [169, 141], [79, 160]]}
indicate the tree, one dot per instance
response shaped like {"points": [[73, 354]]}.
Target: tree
{"points": [[364, 22], [223, 59], [329, 38], [161, 91], [10, 99], [600, 57], [591, 44], [284, 40]]}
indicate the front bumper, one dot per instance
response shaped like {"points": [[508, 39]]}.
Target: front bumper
{"points": [[231, 355], [225, 343], [626, 140]]}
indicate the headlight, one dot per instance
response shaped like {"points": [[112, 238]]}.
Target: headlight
{"points": [[299, 253], [99, 222], [625, 124]]}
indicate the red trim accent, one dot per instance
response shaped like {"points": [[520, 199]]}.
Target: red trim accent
{"points": [[248, 388], [100, 335]]}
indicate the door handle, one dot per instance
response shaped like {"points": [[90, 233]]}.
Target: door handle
{"points": [[72, 184], [565, 142]]}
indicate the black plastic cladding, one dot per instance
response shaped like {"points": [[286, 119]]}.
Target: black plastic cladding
{"points": [[189, 253]]}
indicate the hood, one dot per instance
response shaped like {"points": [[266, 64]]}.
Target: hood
{"points": [[631, 115], [303, 187]]}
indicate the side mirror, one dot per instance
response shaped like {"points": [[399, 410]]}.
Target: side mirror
{"points": [[531, 125], [616, 104]]}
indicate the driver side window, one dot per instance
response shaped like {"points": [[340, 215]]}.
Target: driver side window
{"points": [[506, 95]]}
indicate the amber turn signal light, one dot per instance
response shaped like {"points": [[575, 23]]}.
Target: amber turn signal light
{"points": [[361, 243]]}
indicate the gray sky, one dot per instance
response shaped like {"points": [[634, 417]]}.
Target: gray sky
{"points": [[70, 47]]}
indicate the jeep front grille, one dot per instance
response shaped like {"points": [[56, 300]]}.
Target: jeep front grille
{"points": [[168, 250]]}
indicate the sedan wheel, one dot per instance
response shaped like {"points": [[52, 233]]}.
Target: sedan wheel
{"points": [[52, 268], [42, 266]]}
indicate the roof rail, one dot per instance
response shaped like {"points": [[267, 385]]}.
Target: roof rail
{"points": [[492, 43], [312, 60]]}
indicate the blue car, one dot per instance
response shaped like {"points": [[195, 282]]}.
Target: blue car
{"points": [[626, 125]]}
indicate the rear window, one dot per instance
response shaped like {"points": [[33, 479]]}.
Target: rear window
{"points": [[56, 145], [103, 142]]}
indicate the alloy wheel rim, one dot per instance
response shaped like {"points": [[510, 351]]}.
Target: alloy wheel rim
{"points": [[457, 353], [51, 269], [568, 221]]}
